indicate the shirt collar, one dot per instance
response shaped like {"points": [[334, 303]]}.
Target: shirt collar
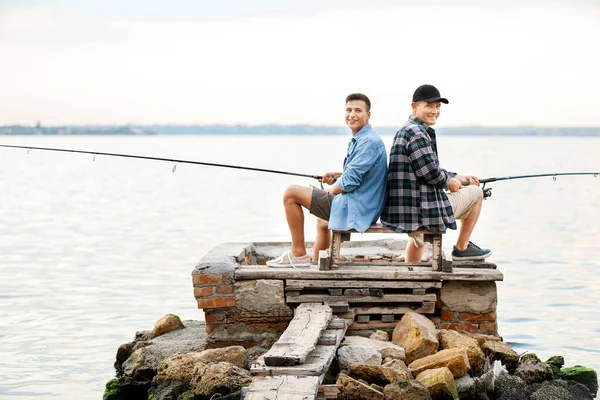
{"points": [[419, 121], [362, 131]]}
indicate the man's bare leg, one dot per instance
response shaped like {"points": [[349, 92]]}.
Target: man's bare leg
{"points": [[468, 224], [294, 198], [413, 254], [323, 238]]}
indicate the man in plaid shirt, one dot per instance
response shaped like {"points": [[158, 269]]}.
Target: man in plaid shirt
{"points": [[417, 187]]}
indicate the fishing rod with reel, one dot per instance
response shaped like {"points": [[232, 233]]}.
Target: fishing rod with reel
{"points": [[487, 192]]}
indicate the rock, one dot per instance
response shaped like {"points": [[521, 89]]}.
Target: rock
{"points": [[417, 335], [557, 361], [181, 367], [481, 339], [143, 363], [509, 387], [484, 384], [502, 352], [403, 390], [530, 358], [465, 386], [552, 391], [532, 372], [223, 378], [143, 335], [455, 360], [377, 374], [168, 323], [400, 366], [253, 353], [125, 388], [168, 390], [439, 382], [454, 340], [583, 375], [358, 354], [351, 389], [387, 349], [123, 353], [380, 335], [235, 355], [470, 297]]}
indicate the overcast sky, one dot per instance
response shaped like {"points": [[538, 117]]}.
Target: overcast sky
{"points": [[501, 63]]}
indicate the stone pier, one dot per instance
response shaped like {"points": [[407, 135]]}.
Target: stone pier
{"points": [[246, 303]]}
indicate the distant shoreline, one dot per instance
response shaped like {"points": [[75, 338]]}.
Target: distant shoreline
{"points": [[281, 130]]}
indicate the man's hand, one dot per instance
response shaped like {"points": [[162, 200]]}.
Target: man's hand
{"points": [[454, 185], [472, 179], [330, 177]]}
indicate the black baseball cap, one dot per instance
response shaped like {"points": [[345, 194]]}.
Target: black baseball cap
{"points": [[428, 93]]}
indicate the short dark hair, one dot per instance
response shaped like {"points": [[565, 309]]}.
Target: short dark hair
{"points": [[359, 96]]}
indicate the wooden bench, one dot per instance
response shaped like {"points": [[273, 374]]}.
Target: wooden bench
{"points": [[328, 261]]}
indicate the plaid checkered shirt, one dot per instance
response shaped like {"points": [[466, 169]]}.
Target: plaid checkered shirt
{"points": [[416, 183]]}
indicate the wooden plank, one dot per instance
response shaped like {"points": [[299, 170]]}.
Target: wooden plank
{"points": [[356, 292], [418, 291], [387, 298], [337, 323], [387, 318], [323, 283], [355, 326], [396, 273], [301, 335], [338, 306], [363, 318], [328, 392], [335, 292], [316, 364], [426, 308], [283, 388], [327, 338]]}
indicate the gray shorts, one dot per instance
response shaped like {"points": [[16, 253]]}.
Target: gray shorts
{"points": [[320, 204]]}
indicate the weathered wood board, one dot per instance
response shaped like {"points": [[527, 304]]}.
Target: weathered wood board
{"points": [[301, 336], [299, 284], [386, 298], [283, 388]]}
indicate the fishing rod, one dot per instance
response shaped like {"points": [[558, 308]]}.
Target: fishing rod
{"points": [[488, 192], [176, 161]]}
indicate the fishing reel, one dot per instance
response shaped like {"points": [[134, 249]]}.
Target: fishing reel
{"points": [[486, 192]]}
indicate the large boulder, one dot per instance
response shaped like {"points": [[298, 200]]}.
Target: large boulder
{"points": [[533, 372], [502, 352], [380, 335], [465, 386], [510, 387], [417, 335], [223, 378], [181, 367], [168, 323], [454, 340], [358, 354], [236, 355], [583, 375], [403, 390], [455, 360], [469, 296], [387, 349], [142, 364], [351, 389], [439, 382], [377, 374]]}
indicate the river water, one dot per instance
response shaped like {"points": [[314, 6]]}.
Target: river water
{"points": [[92, 250]]}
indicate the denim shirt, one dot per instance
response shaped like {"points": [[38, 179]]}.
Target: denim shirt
{"points": [[363, 183]]}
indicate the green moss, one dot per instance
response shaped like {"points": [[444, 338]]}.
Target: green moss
{"points": [[583, 375], [189, 395], [112, 390], [557, 361]]}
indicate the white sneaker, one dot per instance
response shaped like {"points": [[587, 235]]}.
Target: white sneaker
{"points": [[287, 259]]}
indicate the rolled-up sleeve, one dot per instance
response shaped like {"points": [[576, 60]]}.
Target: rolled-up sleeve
{"points": [[424, 163], [357, 168]]}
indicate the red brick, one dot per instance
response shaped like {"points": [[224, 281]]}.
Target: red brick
{"points": [[436, 320], [225, 289], [447, 315], [207, 278], [471, 328], [210, 318], [216, 302], [205, 291], [491, 316]]}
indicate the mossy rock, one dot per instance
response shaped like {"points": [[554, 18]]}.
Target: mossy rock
{"points": [[583, 375], [557, 361], [112, 391]]}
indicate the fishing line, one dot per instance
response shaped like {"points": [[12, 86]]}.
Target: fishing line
{"points": [[175, 161]]}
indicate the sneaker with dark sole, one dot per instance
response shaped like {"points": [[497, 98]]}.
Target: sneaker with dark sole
{"points": [[471, 253]]}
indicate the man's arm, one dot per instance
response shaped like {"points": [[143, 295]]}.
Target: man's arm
{"points": [[424, 163], [354, 172]]}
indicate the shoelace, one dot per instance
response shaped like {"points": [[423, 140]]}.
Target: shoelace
{"points": [[289, 256], [474, 245]]}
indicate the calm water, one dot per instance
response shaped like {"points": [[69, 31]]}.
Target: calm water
{"points": [[91, 251]]}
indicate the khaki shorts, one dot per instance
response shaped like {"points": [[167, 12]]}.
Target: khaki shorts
{"points": [[462, 202], [320, 203]]}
